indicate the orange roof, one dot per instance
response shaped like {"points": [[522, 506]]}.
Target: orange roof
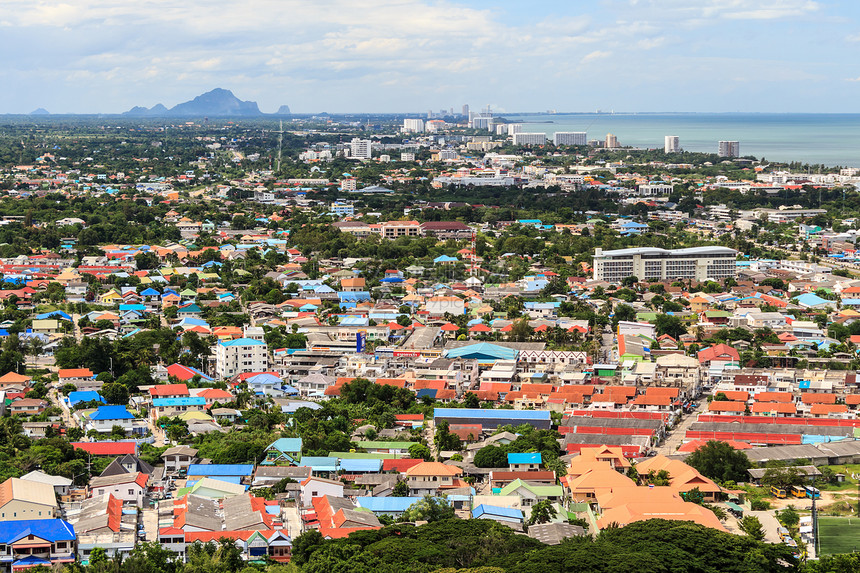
{"points": [[659, 391], [769, 407], [736, 395], [694, 445], [539, 388], [75, 373], [813, 398], [14, 378], [169, 390], [784, 397], [433, 469], [823, 409], [651, 400], [852, 399], [717, 406]]}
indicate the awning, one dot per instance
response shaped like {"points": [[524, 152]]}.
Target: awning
{"points": [[734, 507]]}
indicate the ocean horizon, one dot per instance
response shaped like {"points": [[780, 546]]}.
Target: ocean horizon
{"points": [[829, 139]]}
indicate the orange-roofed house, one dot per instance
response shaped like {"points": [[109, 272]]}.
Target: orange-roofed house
{"points": [[810, 398], [431, 477], [728, 407], [736, 395], [853, 400], [773, 409], [338, 517], [82, 378], [828, 410], [784, 397], [651, 403], [169, 391], [642, 509], [613, 455], [599, 478], [683, 478], [718, 353], [353, 285], [14, 380]]}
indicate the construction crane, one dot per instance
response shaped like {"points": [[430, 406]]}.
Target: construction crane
{"points": [[280, 142]]}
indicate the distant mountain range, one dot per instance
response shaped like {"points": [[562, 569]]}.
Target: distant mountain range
{"points": [[216, 103]]}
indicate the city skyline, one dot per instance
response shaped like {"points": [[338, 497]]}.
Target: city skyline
{"points": [[105, 56]]}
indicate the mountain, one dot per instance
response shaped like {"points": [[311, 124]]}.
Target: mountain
{"points": [[43, 111], [283, 110], [216, 103]]}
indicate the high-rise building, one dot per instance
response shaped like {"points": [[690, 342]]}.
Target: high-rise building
{"points": [[514, 128], [729, 149], [529, 138], [570, 138], [672, 144], [611, 141], [482, 122], [413, 125], [466, 110], [360, 148], [697, 263]]}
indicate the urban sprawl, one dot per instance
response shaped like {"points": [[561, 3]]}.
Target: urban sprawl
{"points": [[381, 343]]}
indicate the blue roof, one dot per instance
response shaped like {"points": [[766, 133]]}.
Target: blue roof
{"points": [[242, 342], [320, 463], [354, 321], [31, 561], [385, 504], [84, 396], [47, 529], [354, 296], [214, 470], [186, 401], [111, 413], [446, 259], [150, 292], [491, 414], [58, 314], [812, 299], [360, 465], [529, 458], [288, 445], [508, 512], [493, 351], [264, 378]]}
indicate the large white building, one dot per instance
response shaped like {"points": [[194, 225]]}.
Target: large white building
{"points": [[671, 144], [234, 357], [570, 138], [360, 148], [697, 263], [413, 125], [655, 189], [529, 138], [514, 128], [729, 149]]}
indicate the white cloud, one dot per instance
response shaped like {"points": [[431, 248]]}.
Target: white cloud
{"points": [[595, 55]]}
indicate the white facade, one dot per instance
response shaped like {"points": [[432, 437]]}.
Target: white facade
{"points": [[672, 144], [611, 141], [729, 149], [514, 128], [234, 357], [529, 138], [413, 126], [655, 189], [360, 148], [570, 138], [698, 263], [407, 157]]}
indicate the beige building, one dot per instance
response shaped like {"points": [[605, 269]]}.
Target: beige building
{"points": [[696, 263], [430, 477], [679, 371], [23, 499]]}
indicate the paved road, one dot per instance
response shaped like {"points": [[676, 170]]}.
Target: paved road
{"points": [[674, 440], [150, 524], [769, 524]]}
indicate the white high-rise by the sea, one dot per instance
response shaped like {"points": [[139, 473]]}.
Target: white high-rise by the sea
{"points": [[570, 138], [729, 149], [672, 144]]}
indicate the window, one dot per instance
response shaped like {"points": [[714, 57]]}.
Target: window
{"points": [[131, 492]]}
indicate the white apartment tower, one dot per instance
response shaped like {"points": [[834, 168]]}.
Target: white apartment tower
{"points": [[697, 263], [672, 144], [413, 126], [514, 128], [570, 138], [729, 149], [360, 148], [529, 138]]}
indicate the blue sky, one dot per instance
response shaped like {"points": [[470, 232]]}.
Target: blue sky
{"points": [[88, 56]]}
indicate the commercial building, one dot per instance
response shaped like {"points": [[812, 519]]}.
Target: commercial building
{"points": [[655, 189], [241, 355], [570, 138], [697, 263], [360, 148], [413, 125], [611, 141], [529, 138], [729, 149], [671, 144]]}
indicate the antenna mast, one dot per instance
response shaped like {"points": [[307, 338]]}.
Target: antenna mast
{"points": [[280, 142]]}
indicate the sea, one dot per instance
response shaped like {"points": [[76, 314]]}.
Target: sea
{"points": [[815, 139]]}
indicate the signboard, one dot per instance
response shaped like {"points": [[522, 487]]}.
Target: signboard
{"points": [[360, 340]]}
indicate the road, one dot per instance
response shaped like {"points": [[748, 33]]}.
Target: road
{"points": [[676, 437], [769, 524]]}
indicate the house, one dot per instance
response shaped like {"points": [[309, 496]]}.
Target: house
{"points": [[106, 448], [718, 353], [27, 407], [105, 418], [524, 462], [531, 494], [283, 451], [177, 459], [14, 380], [129, 487], [36, 542], [504, 515], [61, 484], [170, 407], [27, 499], [169, 390], [234, 472], [314, 487], [238, 356], [431, 477], [81, 378], [338, 517]]}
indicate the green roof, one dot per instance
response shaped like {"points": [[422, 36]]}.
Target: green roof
{"points": [[363, 456], [538, 490], [718, 313]]}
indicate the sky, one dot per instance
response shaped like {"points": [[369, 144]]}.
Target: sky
{"points": [[395, 56]]}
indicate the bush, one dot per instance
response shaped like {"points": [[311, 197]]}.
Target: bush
{"points": [[759, 505]]}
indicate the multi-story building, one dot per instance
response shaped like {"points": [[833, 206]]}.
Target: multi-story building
{"points": [[342, 209], [348, 184], [395, 229], [360, 148], [529, 138], [514, 128], [655, 188], [413, 126], [697, 263], [611, 141], [671, 144], [570, 138], [241, 355], [729, 149], [407, 157]]}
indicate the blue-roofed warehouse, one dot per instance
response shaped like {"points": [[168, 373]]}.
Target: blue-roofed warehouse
{"points": [[524, 461], [491, 419], [483, 352], [198, 471]]}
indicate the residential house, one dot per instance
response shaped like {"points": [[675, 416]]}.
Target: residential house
{"points": [[128, 487], [27, 499]]}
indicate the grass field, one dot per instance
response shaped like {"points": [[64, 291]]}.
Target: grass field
{"points": [[839, 534]]}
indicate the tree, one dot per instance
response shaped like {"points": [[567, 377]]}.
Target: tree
{"points": [[491, 457], [624, 312], [719, 461], [115, 393], [542, 512], [445, 440], [780, 475], [429, 509], [671, 325], [751, 525], [471, 400], [789, 516], [400, 489], [419, 452], [305, 544]]}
